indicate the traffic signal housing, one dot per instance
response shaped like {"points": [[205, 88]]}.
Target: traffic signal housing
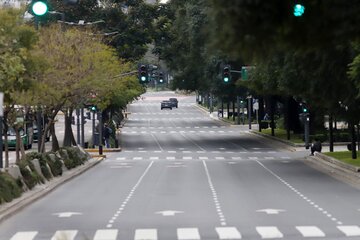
{"points": [[226, 74], [39, 8], [143, 74], [299, 10], [161, 78]]}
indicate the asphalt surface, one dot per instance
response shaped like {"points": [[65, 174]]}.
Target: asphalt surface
{"points": [[183, 175]]}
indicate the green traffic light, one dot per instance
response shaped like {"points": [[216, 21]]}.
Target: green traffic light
{"points": [[93, 108], [143, 78], [39, 8], [299, 10], [226, 79]]}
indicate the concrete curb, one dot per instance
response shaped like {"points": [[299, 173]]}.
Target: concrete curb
{"points": [[336, 162], [283, 143], [9, 209], [278, 139], [333, 169], [92, 150], [210, 115]]}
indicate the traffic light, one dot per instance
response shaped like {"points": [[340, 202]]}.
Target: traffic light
{"points": [[39, 8], [93, 108], [161, 77], [226, 74], [143, 74], [299, 10]]}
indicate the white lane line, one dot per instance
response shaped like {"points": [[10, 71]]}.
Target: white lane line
{"points": [[219, 158], [269, 158], [120, 158], [66, 234], [154, 158], [145, 234], [269, 232], [203, 158], [253, 158], [157, 142], [106, 234], [24, 236], [170, 158], [188, 234], [310, 231], [127, 199], [236, 158], [228, 233], [316, 206], [187, 158], [350, 231], [137, 158], [215, 197]]}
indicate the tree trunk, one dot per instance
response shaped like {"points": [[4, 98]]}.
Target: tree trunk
{"points": [[331, 133], [5, 143], [68, 130], [261, 112], [228, 109], [358, 136], [55, 143], [17, 147], [287, 117]]}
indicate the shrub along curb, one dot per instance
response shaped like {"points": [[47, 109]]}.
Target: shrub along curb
{"points": [[10, 208]]}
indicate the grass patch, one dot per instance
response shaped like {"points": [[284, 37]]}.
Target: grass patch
{"points": [[345, 157], [281, 133]]}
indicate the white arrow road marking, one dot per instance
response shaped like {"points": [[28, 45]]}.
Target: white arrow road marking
{"points": [[169, 212], [270, 211], [66, 214]]}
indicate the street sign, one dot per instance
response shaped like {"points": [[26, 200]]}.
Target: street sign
{"points": [[1, 104]]}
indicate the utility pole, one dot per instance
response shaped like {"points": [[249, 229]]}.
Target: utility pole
{"points": [[249, 110], [78, 126], [82, 127], [238, 110]]}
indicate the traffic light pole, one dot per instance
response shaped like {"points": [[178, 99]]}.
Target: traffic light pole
{"points": [[93, 130], [1, 128], [249, 111], [78, 126], [100, 133], [306, 129]]}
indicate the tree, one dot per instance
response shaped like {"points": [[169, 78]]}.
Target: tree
{"points": [[16, 67]]}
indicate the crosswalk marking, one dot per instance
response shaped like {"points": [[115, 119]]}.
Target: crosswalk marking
{"points": [[310, 231], [265, 232], [146, 234], [269, 232], [120, 158], [24, 236], [236, 158], [269, 158], [253, 158], [188, 234], [170, 158], [228, 233], [187, 158], [137, 158], [350, 231], [106, 234], [219, 158], [203, 158], [154, 158], [66, 234]]}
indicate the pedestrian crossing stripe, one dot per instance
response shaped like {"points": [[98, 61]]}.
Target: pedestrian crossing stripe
{"points": [[135, 158], [265, 232]]}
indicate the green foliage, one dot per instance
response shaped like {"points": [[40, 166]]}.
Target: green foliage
{"points": [[31, 178], [9, 189]]}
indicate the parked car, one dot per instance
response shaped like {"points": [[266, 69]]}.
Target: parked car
{"points": [[166, 104], [25, 135], [174, 102]]}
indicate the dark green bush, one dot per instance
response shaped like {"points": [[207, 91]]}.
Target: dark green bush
{"points": [[55, 166], [42, 161], [9, 189], [31, 178]]}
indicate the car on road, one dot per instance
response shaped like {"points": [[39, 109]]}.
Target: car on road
{"points": [[166, 104], [174, 102], [26, 136]]}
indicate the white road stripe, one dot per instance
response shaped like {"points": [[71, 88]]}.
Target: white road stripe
{"points": [[106, 234], [350, 231], [269, 232], [24, 236], [137, 158], [310, 231], [269, 157], [188, 234], [146, 234], [236, 158], [253, 158], [66, 234], [120, 158], [219, 158], [187, 158], [154, 158], [170, 158], [203, 158], [228, 233]]}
